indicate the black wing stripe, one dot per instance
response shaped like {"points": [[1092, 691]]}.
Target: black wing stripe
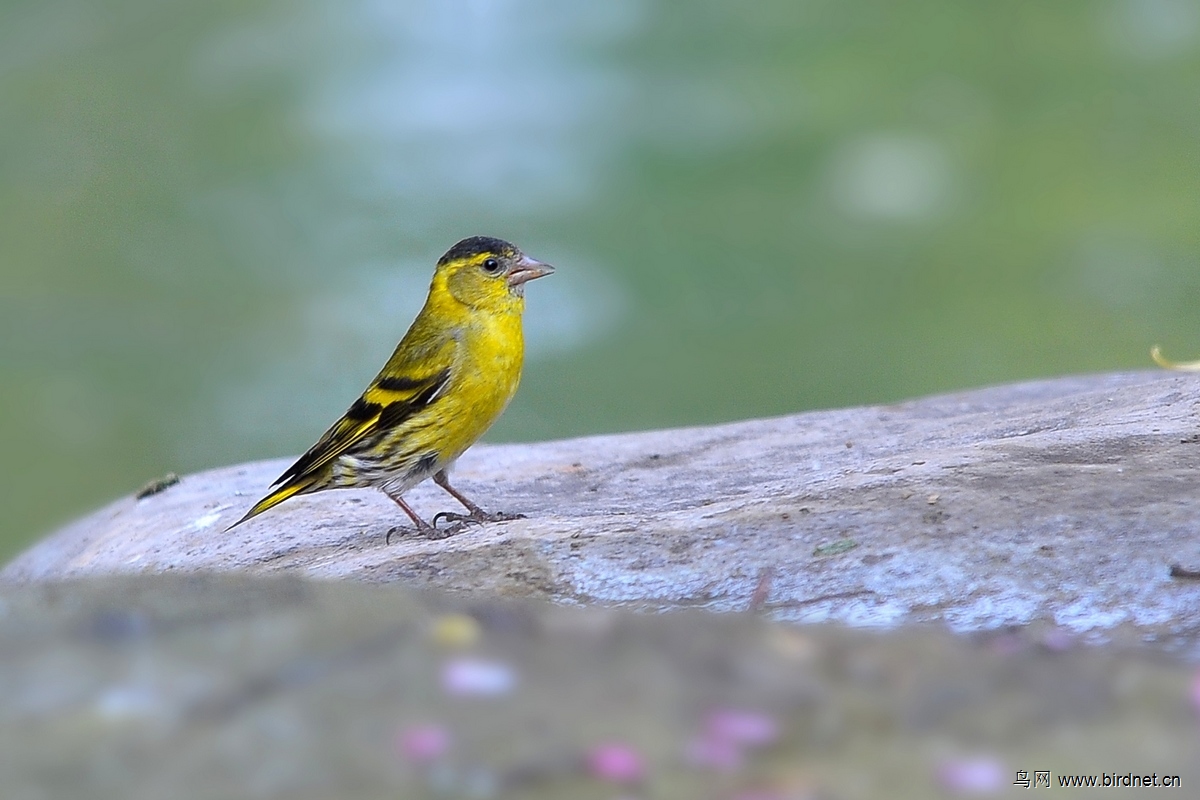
{"points": [[361, 410], [399, 384], [396, 413]]}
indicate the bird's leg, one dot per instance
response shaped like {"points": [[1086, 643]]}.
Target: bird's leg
{"points": [[423, 527], [476, 514]]}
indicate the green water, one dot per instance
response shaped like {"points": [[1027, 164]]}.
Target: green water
{"points": [[216, 218]]}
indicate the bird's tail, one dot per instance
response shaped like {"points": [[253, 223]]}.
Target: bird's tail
{"points": [[289, 489]]}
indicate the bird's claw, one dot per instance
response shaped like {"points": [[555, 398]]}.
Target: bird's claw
{"points": [[435, 533], [474, 518], [450, 516], [458, 523]]}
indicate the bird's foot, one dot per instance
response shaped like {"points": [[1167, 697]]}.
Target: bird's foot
{"points": [[427, 531], [435, 533], [476, 517]]}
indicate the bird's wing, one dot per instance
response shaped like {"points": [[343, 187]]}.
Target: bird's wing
{"points": [[415, 376], [393, 397]]}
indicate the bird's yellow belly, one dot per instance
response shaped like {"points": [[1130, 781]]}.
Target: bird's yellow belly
{"points": [[485, 384]]}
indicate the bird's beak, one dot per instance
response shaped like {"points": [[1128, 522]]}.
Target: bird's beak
{"points": [[526, 270]]}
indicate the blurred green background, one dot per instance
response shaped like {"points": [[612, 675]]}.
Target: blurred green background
{"points": [[217, 218]]}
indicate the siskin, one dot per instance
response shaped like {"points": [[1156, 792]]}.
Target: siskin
{"points": [[450, 377]]}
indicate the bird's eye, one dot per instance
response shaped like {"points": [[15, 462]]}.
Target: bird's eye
{"points": [[491, 265]]}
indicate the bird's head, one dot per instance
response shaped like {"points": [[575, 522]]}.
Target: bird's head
{"points": [[483, 272]]}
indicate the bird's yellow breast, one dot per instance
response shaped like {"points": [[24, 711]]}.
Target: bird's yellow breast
{"points": [[490, 354]]}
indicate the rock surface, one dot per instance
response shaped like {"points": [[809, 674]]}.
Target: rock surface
{"points": [[1066, 500]]}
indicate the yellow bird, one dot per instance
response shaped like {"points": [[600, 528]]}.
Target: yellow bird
{"points": [[448, 380]]}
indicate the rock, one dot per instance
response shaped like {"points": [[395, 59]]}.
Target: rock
{"points": [[196, 686], [1066, 500]]}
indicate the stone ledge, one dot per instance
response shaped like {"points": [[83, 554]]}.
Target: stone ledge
{"points": [[1065, 499]]}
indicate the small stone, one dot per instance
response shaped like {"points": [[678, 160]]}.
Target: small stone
{"points": [[835, 548], [157, 486]]}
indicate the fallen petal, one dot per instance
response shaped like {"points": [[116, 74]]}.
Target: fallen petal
{"points": [[1057, 640], [615, 762], [464, 677], [737, 726], [421, 744], [980, 775]]}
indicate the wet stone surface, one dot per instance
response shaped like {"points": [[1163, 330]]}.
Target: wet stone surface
{"points": [[1066, 501]]}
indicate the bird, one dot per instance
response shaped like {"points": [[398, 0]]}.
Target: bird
{"points": [[450, 377]]}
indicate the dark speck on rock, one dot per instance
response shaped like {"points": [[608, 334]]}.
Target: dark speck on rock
{"points": [[157, 486]]}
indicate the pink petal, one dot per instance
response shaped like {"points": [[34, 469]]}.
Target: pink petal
{"points": [[421, 744], [979, 775], [615, 762], [1057, 640], [1007, 644], [736, 726]]}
